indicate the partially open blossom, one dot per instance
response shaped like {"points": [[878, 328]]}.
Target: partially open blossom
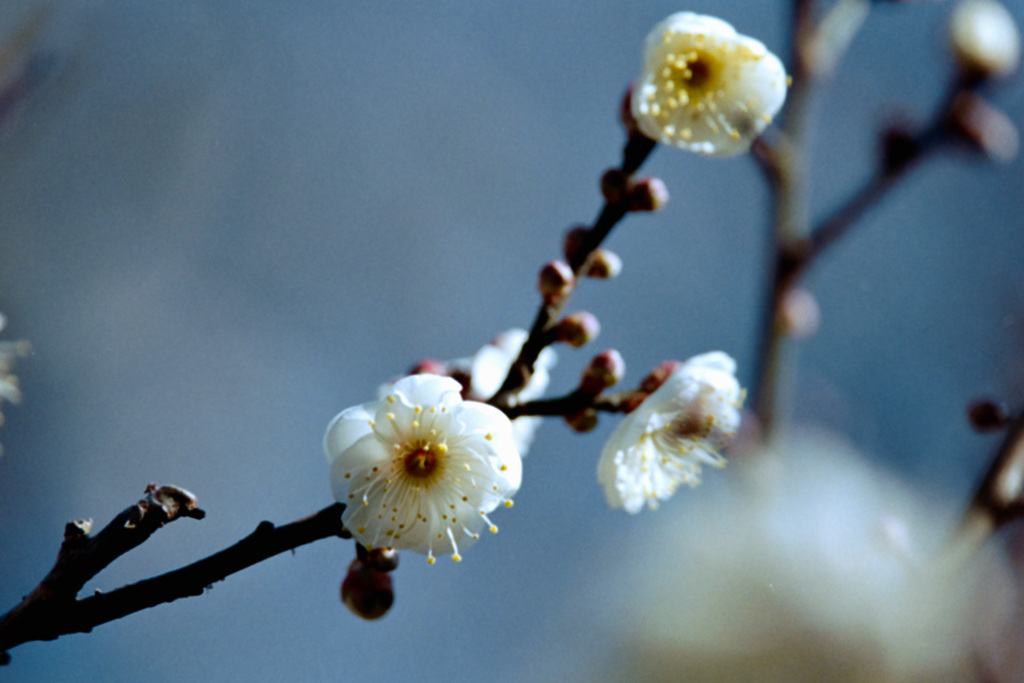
{"points": [[984, 38], [489, 367], [705, 88], [678, 428], [421, 468]]}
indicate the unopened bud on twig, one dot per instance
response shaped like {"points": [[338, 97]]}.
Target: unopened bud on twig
{"points": [[606, 369], [583, 421], [800, 313], [614, 186], [987, 416], [603, 264], [984, 127], [647, 194], [656, 377], [576, 329], [429, 366], [573, 242], [382, 559], [556, 279], [368, 593]]}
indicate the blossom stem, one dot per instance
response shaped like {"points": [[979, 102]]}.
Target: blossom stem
{"points": [[635, 152], [53, 609], [573, 403]]}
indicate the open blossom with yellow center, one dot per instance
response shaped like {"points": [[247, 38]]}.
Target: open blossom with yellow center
{"points": [[679, 427], [422, 468], [706, 88]]}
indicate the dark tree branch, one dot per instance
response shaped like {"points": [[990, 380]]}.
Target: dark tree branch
{"points": [[635, 152], [53, 608]]}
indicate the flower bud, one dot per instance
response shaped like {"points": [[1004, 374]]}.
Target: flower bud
{"points": [[987, 416], [382, 559], [583, 421], [647, 194], [626, 117], [606, 369], [366, 592], [656, 377], [800, 313], [614, 186], [576, 329], [984, 127], [603, 264], [556, 279], [574, 239], [429, 366], [984, 38]]}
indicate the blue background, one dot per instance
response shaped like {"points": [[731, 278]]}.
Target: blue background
{"points": [[224, 222]]}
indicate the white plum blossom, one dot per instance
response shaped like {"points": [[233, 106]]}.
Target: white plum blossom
{"points": [[421, 468], [678, 428], [984, 37], [704, 87], [486, 371], [491, 364]]}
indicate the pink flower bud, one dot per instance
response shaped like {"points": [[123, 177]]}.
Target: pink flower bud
{"points": [[984, 127], [606, 369], [574, 239], [647, 194], [603, 264], [583, 421], [800, 313], [614, 186], [429, 366], [656, 377], [576, 329], [556, 279], [382, 559], [366, 592]]}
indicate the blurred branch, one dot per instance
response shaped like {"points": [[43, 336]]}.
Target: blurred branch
{"points": [[999, 498], [53, 609], [797, 245]]}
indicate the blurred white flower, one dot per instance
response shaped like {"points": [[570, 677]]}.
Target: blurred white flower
{"points": [[809, 564], [984, 37], [421, 468], [9, 350], [705, 88], [679, 427], [491, 364]]}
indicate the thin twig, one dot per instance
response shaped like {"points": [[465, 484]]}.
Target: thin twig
{"points": [[53, 609], [636, 151]]}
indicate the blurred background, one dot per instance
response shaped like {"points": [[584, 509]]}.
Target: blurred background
{"points": [[222, 223]]}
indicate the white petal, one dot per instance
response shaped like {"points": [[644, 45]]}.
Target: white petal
{"points": [[346, 428]]}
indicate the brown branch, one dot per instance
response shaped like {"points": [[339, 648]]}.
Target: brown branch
{"points": [[53, 609], [636, 151], [577, 402]]}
